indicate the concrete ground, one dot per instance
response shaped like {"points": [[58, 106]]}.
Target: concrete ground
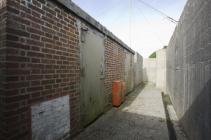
{"points": [[141, 117]]}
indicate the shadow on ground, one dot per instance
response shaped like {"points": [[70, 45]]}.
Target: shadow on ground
{"points": [[122, 124], [125, 126], [197, 119]]}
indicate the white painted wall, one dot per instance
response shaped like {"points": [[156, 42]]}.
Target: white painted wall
{"points": [[154, 70], [161, 69], [149, 70]]}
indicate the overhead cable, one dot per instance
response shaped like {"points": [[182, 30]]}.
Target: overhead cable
{"points": [[106, 10], [159, 11], [149, 23], [130, 21]]}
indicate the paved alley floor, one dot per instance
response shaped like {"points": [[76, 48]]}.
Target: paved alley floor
{"points": [[141, 117]]}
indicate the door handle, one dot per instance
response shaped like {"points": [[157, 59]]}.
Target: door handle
{"points": [[83, 71], [101, 69]]}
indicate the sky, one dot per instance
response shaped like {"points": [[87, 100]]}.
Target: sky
{"points": [[140, 27]]}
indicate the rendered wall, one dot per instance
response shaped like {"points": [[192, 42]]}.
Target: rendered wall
{"points": [[161, 69], [149, 70], [189, 69], [138, 66]]}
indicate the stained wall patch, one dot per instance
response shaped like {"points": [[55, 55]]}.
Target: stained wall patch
{"points": [[51, 119]]}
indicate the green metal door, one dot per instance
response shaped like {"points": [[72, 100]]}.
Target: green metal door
{"points": [[92, 74]]}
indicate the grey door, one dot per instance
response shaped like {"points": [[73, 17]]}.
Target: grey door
{"points": [[129, 73], [92, 74]]}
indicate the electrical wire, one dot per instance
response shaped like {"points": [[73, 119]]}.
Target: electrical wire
{"points": [[105, 10], [118, 15], [148, 22], [158, 11], [130, 22]]}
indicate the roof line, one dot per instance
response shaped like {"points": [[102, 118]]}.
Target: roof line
{"points": [[87, 18]]}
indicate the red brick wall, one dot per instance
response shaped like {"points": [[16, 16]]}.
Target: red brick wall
{"points": [[42, 61], [114, 63], [2, 64]]}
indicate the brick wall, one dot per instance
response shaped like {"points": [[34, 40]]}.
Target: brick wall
{"points": [[189, 69], [42, 61], [40, 56], [2, 64], [114, 63]]}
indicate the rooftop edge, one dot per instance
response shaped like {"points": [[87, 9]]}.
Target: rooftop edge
{"points": [[87, 18]]}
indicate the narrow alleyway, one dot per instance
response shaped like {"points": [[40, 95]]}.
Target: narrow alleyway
{"points": [[141, 117]]}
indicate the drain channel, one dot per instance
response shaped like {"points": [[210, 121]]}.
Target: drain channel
{"points": [[171, 130]]}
